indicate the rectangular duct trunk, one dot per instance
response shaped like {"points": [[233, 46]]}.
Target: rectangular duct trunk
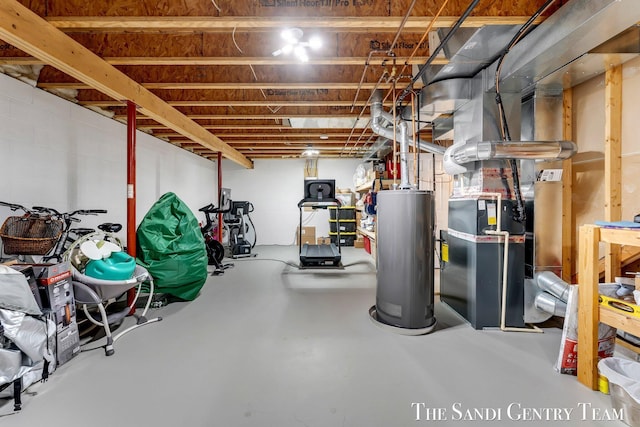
{"points": [[542, 120]]}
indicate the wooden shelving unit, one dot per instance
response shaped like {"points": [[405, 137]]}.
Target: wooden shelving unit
{"points": [[386, 184], [364, 188], [590, 312]]}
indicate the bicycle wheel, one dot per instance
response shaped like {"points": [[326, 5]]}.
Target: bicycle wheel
{"points": [[215, 252]]}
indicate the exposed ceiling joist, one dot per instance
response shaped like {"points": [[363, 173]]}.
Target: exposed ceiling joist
{"points": [[27, 31], [241, 60], [227, 24], [269, 86], [265, 103]]}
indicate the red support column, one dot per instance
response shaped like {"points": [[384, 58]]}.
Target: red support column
{"points": [[219, 191], [131, 189]]}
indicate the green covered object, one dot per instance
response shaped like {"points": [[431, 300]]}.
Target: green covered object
{"points": [[171, 247]]}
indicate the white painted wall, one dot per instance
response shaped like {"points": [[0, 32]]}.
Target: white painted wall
{"points": [[276, 186], [58, 154]]}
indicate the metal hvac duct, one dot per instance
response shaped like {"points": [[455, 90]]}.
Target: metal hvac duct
{"points": [[459, 155], [379, 116]]}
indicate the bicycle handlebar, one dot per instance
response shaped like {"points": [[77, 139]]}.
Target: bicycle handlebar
{"points": [[14, 206], [46, 210], [69, 214], [92, 211]]}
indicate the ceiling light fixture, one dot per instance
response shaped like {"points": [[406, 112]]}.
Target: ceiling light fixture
{"points": [[310, 152], [293, 44]]}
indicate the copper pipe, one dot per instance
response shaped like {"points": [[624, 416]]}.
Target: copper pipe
{"points": [[389, 52]]}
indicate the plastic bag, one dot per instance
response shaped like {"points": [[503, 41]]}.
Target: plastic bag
{"points": [[622, 372], [171, 247], [370, 199], [567, 362]]}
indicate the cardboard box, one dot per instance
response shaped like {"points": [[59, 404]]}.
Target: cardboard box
{"points": [[324, 240], [308, 235], [359, 242], [56, 292]]}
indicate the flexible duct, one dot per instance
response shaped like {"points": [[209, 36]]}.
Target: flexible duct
{"points": [[458, 156], [550, 304], [550, 282]]}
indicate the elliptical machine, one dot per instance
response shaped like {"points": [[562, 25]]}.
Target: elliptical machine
{"points": [[215, 249], [235, 219]]}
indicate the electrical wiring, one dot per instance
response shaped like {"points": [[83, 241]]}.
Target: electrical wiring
{"points": [[437, 50]]}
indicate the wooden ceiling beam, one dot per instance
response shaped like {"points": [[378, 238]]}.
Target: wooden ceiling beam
{"points": [[238, 127], [282, 143], [255, 60], [234, 86], [229, 137], [274, 116], [181, 24], [27, 31], [244, 148], [235, 103]]}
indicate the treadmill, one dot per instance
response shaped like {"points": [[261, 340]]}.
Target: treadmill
{"points": [[319, 194]]}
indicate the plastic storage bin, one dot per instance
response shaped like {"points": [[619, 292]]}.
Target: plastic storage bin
{"points": [[345, 212], [346, 226], [346, 239]]}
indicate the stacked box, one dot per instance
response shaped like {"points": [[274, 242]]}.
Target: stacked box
{"points": [[56, 292], [308, 235]]}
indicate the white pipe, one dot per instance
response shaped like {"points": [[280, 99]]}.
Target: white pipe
{"points": [[404, 150], [505, 268]]}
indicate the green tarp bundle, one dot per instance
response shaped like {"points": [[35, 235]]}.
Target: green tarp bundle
{"points": [[171, 247]]}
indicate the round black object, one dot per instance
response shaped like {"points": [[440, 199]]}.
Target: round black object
{"points": [[215, 252]]}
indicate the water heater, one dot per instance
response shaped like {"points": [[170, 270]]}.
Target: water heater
{"points": [[405, 251]]}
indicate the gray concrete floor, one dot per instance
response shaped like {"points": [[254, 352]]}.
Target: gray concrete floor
{"points": [[267, 344]]}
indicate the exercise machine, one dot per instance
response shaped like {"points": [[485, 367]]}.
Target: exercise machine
{"points": [[235, 219], [319, 194], [215, 249]]}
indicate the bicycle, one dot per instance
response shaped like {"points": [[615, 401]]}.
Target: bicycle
{"points": [[46, 231], [68, 235], [32, 233]]}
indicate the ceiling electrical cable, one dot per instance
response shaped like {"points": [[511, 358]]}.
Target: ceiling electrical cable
{"points": [[437, 50], [353, 127], [388, 52], [424, 36]]}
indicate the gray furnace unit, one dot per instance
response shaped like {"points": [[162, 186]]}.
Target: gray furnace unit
{"points": [[471, 275], [405, 248]]}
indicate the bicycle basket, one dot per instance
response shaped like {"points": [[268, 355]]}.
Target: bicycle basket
{"points": [[29, 235]]}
